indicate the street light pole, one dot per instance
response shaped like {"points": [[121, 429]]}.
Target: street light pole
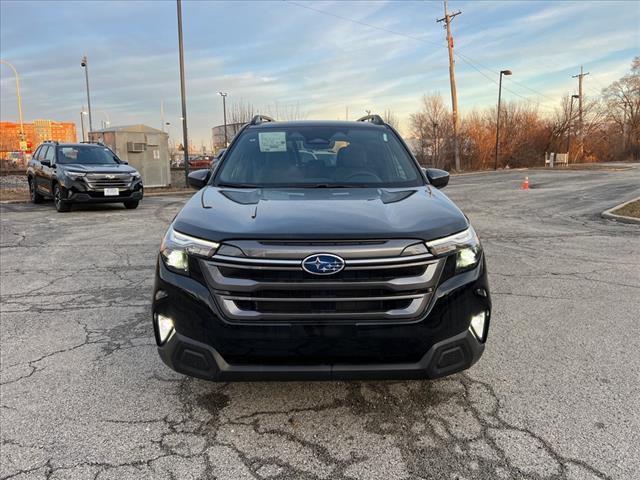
{"points": [[82, 114], [569, 128], [502, 72], [84, 63], [435, 144], [15, 73], [224, 114], [183, 94]]}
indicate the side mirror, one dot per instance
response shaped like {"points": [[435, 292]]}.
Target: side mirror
{"points": [[124, 162], [438, 178], [199, 178], [46, 163]]}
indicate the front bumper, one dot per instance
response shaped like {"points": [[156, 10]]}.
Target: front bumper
{"points": [[197, 359], [77, 191], [205, 345], [97, 197]]}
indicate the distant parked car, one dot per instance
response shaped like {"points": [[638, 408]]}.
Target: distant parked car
{"points": [[201, 161], [82, 173]]}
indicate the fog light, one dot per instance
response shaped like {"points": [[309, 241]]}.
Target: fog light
{"points": [[477, 325], [165, 328]]}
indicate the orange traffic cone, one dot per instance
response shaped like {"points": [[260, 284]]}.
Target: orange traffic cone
{"points": [[525, 184]]}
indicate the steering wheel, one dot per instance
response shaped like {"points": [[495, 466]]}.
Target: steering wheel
{"points": [[364, 174]]}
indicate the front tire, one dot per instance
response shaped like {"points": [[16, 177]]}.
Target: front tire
{"points": [[33, 193], [61, 205], [131, 204]]}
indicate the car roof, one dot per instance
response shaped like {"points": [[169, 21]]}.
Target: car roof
{"points": [[318, 123], [73, 144]]}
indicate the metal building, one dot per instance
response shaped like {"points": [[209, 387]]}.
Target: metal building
{"points": [[145, 148]]}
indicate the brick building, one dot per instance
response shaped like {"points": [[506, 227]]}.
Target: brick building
{"points": [[35, 133]]}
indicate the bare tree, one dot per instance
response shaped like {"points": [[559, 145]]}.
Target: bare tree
{"points": [[241, 112], [286, 112], [431, 130], [391, 118], [622, 100]]}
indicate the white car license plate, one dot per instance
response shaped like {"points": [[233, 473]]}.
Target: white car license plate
{"points": [[111, 192]]}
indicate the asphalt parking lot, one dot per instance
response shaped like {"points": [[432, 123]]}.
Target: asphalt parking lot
{"points": [[556, 395]]}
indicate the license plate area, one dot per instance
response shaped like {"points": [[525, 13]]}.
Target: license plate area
{"points": [[111, 192]]}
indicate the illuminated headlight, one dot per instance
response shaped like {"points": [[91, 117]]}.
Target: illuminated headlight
{"points": [[165, 328], [466, 246], [478, 324], [75, 175], [176, 248]]}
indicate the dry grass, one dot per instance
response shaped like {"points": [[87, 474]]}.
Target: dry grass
{"points": [[631, 209]]}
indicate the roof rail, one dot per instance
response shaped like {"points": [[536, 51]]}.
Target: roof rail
{"points": [[51, 141], [258, 119], [376, 119]]}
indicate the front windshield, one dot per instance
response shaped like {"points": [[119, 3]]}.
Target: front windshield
{"points": [[318, 156], [86, 155]]}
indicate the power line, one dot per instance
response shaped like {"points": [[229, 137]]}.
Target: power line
{"points": [[464, 58], [365, 24]]}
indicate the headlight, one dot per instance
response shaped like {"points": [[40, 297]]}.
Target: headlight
{"points": [[135, 175], [176, 248], [465, 244], [75, 175]]}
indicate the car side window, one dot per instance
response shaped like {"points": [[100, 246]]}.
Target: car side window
{"points": [[43, 153], [36, 154], [51, 155]]}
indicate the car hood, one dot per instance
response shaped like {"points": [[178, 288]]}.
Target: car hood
{"points": [[221, 214], [79, 167]]}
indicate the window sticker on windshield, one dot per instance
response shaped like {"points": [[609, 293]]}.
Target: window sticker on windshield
{"points": [[272, 141], [384, 137]]}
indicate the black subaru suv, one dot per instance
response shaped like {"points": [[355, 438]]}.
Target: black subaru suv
{"points": [[81, 173], [320, 250]]}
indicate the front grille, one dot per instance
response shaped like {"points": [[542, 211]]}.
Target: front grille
{"points": [[272, 286], [97, 181], [300, 276]]}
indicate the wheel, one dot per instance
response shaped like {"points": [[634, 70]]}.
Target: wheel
{"points": [[131, 204], [60, 204], [35, 196]]}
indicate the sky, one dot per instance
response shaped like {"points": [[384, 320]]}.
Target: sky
{"points": [[319, 58]]}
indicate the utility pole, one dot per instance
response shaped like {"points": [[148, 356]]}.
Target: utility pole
{"points": [[452, 78], [183, 94], [580, 76]]}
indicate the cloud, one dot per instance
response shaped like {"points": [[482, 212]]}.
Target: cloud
{"points": [[271, 53]]}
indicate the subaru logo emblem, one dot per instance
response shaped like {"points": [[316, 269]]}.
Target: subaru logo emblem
{"points": [[322, 264], [110, 177]]}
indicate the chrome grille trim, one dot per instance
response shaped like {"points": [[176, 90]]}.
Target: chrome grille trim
{"points": [[392, 262], [270, 287], [98, 181]]}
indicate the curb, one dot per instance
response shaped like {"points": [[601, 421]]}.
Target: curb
{"points": [[621, 218]]}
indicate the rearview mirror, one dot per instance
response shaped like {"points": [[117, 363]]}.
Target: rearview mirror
{"points": [[198, 178], [438, 178]]}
